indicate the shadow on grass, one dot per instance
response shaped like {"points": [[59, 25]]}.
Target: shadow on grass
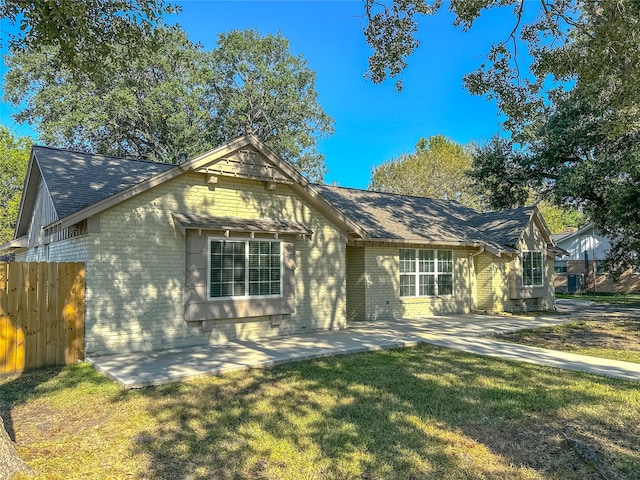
{"points": [[413, 413], [34, 384]]}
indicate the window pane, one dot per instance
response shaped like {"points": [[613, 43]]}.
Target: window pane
{"points": [[425, 261], [537, 268], [215, 290], [527, 274], [445, 284], [407, 260], [226, 268], [407, 285], [264, 276], [427, 285], [445, 261]]}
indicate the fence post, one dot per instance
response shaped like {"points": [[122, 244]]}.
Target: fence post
{"points": [[5, 323]]}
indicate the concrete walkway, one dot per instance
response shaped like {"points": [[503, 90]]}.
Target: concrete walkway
{"points": [[460, 332]]}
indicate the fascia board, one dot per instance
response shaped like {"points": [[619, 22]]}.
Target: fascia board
{"points": [[28, 192]]}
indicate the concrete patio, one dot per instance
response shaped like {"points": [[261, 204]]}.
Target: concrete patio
{"points": [[460, 332]]}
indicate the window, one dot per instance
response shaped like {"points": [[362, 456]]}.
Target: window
{"points": [[532, 269], [239, 268], [425, 273], [560, 266]]}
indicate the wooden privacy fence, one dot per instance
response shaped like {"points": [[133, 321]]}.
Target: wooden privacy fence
{"points": [[41, 315]]}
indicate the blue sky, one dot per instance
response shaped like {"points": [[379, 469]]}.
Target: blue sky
{"points": [[373, 123]]}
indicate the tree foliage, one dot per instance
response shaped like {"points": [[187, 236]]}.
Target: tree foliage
{"points": [[174, 97], [83, 31], [14, 157], [572, 107], [255, 85], [559, 219], [437, 169]]}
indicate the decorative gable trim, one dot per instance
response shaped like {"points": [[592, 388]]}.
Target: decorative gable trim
{"points": [[235, 151]]}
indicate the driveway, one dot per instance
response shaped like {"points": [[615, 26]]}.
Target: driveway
{"points": [[587, 308], [460, 332]]}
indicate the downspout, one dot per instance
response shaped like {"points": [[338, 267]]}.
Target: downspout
{"points": [[471, 257]]}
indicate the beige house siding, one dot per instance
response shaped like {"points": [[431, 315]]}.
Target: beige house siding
{"points": [[532, 298], [499, 279], [136, 278], [381, 286], [356, 284], [492, 276]]}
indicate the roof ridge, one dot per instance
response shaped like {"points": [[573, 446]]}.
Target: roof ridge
{"points": [[366, 190], [116, 157]]}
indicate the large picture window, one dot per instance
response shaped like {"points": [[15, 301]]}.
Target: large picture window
{"points": [[532, 269], [245, 268], [425, 273]]}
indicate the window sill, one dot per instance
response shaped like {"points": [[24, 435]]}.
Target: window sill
{"points": [[243, 307]]}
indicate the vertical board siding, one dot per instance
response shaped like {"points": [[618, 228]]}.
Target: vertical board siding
{"points": [[41, 315]]}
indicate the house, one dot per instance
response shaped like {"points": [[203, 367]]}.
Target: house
{"points": [[236, 244], [581, 270]]}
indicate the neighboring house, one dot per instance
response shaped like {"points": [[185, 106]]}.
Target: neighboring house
{"points": [[236, 244], [582, 269]]}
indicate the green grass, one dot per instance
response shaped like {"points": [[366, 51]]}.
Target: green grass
{"points": [[617, 338], [417, 413], [628, 299]]}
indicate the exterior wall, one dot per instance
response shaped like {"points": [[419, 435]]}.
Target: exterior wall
{"points": [[523, 297], [591, 242], [356, 284], [381, 286], [136, 269], [492, 282], [499, 279], [629, 281], [74, 249], [44, 213], [596, 247]]}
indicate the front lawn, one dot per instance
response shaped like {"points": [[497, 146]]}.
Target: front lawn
{"points": [[416, 413], [628, 299], [617, 338]]}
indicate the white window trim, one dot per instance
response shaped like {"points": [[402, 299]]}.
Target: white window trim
{"points": [[435, 273], [246, 241], [533, 285]]}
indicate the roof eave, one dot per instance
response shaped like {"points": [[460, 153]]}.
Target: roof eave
{"points": [[15, 244], [447, 243]]}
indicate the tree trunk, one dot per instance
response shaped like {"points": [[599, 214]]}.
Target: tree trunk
{"points": [[10, 462]]}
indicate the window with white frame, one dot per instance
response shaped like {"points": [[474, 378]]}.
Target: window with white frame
{"points": [[425, 273], [532, 269], [244, 268]]}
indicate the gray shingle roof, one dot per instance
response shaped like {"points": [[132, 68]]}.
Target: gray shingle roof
{"points": [[77, 180], [403, 217], [504, 226]]}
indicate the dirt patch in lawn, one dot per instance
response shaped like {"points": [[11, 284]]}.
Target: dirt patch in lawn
{"points": [[619, 336]]}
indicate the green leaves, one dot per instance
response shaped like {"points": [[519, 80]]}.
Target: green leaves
{"points": [[14, 157], [257, 86], [173, 97], [437, 169], [390, 32], [83, 32]]}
